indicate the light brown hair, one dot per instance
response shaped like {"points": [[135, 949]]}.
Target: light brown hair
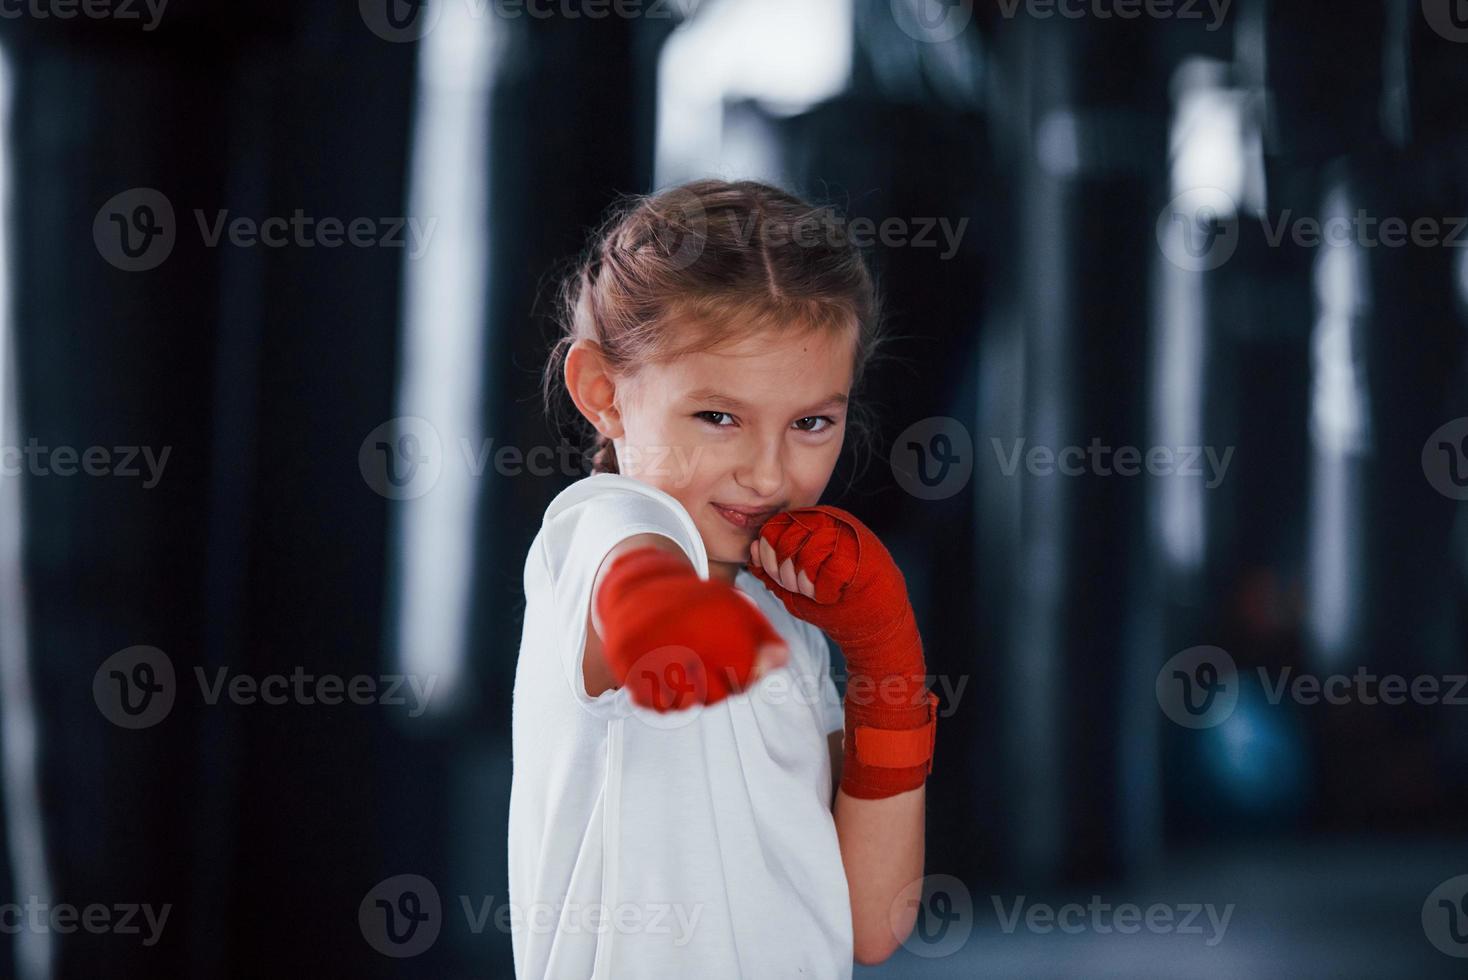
{"points": [[714, 257]]}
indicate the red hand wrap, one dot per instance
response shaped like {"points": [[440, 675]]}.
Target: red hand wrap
{"points": [[673, 639], [861, 603]]}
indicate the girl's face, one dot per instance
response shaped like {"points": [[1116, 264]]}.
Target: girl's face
{"points": [[739, 433]]}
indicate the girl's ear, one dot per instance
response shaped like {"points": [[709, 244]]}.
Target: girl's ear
{"points": [[593, 388]]}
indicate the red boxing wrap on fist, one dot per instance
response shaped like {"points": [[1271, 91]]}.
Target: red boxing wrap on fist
{"points": [[674, 639], [861, 603]]}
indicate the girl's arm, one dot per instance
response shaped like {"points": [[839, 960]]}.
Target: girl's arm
{"points": [[882, 844], [830, 570], [596, 673], [672, 638]]}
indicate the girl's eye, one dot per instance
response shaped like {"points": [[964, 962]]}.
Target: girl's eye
{"points": [[811, 423]]}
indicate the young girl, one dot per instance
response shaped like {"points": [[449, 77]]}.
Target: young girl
{"points": [[677, 735]]}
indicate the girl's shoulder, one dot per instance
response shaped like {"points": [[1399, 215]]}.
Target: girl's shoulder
{"points": [[612, 485], [589, 517]]}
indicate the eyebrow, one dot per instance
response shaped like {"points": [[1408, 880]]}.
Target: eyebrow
{"points": [[715, 397]]}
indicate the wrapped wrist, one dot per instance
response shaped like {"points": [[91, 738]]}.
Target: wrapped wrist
{"points": [[888, 749], [890, 715]]}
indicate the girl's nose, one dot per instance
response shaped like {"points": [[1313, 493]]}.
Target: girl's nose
{"points": [[765, 473]]}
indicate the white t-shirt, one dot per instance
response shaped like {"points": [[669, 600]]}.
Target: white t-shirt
{"points": [[698, 842]]}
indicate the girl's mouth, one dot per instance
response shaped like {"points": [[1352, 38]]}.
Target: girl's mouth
{"points": [[743, 519]]}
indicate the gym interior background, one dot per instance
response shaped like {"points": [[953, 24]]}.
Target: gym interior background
{"points": [[1173, 450]]}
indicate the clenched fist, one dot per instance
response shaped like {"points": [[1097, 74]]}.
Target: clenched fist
{"points": [[830, 570]]}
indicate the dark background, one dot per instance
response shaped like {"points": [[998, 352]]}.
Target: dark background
{"points": [[1065, 315]]}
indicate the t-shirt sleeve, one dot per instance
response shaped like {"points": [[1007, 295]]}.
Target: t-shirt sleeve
{"points": [[575, 542]]}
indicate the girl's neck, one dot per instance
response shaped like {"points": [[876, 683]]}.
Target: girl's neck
{"points": [[723, 571]]}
